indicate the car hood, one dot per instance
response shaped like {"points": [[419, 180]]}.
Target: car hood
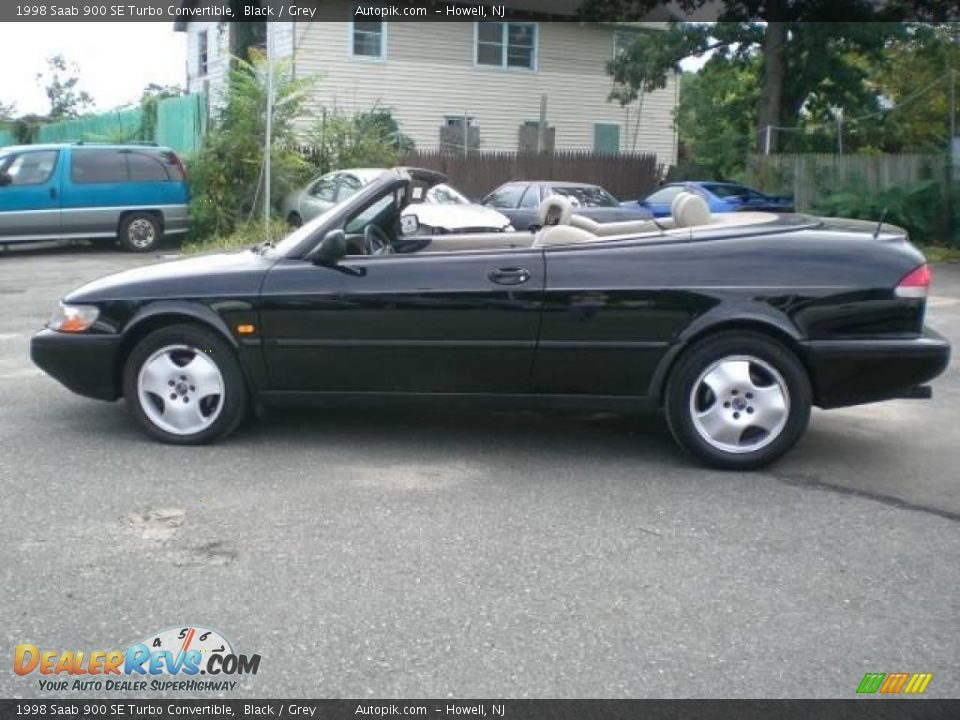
{"points": [[233, 273], [457, 217]]}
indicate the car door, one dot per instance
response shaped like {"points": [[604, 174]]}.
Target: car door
{"points": [[610, 313], [449, 322], [30, 195], [319, 197]]}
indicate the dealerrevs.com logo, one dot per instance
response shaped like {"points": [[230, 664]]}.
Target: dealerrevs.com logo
{"points": [[170, 660]]}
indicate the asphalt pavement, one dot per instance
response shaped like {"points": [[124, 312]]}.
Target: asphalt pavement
{"points": [[476, 554]]}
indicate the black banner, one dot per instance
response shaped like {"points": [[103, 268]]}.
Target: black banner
{"points": [[872, 709], [184, 11]]}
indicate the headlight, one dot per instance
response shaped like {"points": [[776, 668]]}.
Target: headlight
{"points": [[73, 318]]}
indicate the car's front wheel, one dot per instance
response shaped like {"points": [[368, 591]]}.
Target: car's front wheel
{"points": [[738, 401], [184, 385]]}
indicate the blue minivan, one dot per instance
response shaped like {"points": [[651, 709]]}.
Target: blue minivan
{"points": [[134, 193]]}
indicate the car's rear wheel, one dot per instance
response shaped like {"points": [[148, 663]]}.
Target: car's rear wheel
{"points": [[738, 401], [184, 385], [141, 232]]}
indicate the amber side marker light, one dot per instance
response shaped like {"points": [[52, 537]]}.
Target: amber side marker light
{"points": [[246, 329], [73, 318]]}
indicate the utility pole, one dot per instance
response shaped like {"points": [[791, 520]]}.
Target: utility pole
{"points": [[766, 141], [840, 133], [268, 138], [542, 125], [466, 135]]}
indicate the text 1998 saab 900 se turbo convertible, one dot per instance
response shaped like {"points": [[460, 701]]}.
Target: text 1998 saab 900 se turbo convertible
{"points": [[735, 325]]}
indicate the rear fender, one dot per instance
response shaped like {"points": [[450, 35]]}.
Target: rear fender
{"points": [[727, 317]]}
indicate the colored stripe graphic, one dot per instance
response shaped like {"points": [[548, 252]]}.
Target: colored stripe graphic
{"points": [[918, 683], [871, 682], [893, 683]]}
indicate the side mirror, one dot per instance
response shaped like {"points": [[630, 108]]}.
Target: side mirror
{"points": [[5, 179], [409, 224], [332, 248]]}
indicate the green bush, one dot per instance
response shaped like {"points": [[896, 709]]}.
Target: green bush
{"points": [[368, 139], [226, 176], [919, 208], [244, 235]]}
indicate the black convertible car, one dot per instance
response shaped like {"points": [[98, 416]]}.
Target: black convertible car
{"points": [[735, 325]]}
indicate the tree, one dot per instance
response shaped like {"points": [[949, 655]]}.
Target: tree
{"points": [[716, 115], [227, 176], [804, 65], [914, 79], [66, 100], [7, 111]]}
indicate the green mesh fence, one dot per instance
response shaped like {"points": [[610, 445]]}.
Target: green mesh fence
{"points": [[117, 126], [182, 122], [6, 137]]}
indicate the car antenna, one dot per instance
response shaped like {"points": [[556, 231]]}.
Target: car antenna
{"points": [[876, 233]]}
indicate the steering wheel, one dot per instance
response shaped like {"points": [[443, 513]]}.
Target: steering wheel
{"points": [[375, 241]]}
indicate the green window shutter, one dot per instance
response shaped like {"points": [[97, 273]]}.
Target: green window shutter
{"points": [[606, 138]]}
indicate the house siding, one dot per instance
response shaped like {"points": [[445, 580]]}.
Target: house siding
{"points": [[429, 72]]}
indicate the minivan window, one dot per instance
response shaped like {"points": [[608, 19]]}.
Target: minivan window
{"points": [[98, 166], [29, 168], [146, 167]]}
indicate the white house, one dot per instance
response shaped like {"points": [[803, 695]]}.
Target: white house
{"points": [[490, 74]]}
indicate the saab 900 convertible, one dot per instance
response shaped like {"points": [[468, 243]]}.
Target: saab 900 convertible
{"points": [[734, 325]]}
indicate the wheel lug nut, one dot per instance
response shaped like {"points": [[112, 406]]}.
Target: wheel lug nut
{"points": [[750, 410], [749, 396], [192, 389], [171, 383], [186, 399], [736, 416], [726, 404], [173, 396], [734, 392]]}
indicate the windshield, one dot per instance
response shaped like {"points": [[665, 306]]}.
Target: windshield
{"points": [[587, 195], [725, 191]]}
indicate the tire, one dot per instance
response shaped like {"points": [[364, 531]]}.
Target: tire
{"points": [[294, 221], [206, 378], [140, 232], [722, 402]]}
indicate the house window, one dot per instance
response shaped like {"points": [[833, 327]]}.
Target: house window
{"points": [[622, 39], [507, 45], [368, 39], [606, 138], [202, 53]]}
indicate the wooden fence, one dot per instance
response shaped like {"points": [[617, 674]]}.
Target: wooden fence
{"points": [[809, 177], [627, 176]]}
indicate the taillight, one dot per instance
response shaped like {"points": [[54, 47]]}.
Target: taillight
{"points": [[916, 283], [174, 160]]}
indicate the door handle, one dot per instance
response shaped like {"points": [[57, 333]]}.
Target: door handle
{"points": [[509, 276], [53, 193]]}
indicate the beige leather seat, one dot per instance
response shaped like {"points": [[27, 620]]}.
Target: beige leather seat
{"points": [[625, 227], [555, 210], [562, 235], [689, 210]]}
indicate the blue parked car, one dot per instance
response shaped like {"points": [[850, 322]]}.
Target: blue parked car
{"points": [[721, 197], [134, 193]]}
